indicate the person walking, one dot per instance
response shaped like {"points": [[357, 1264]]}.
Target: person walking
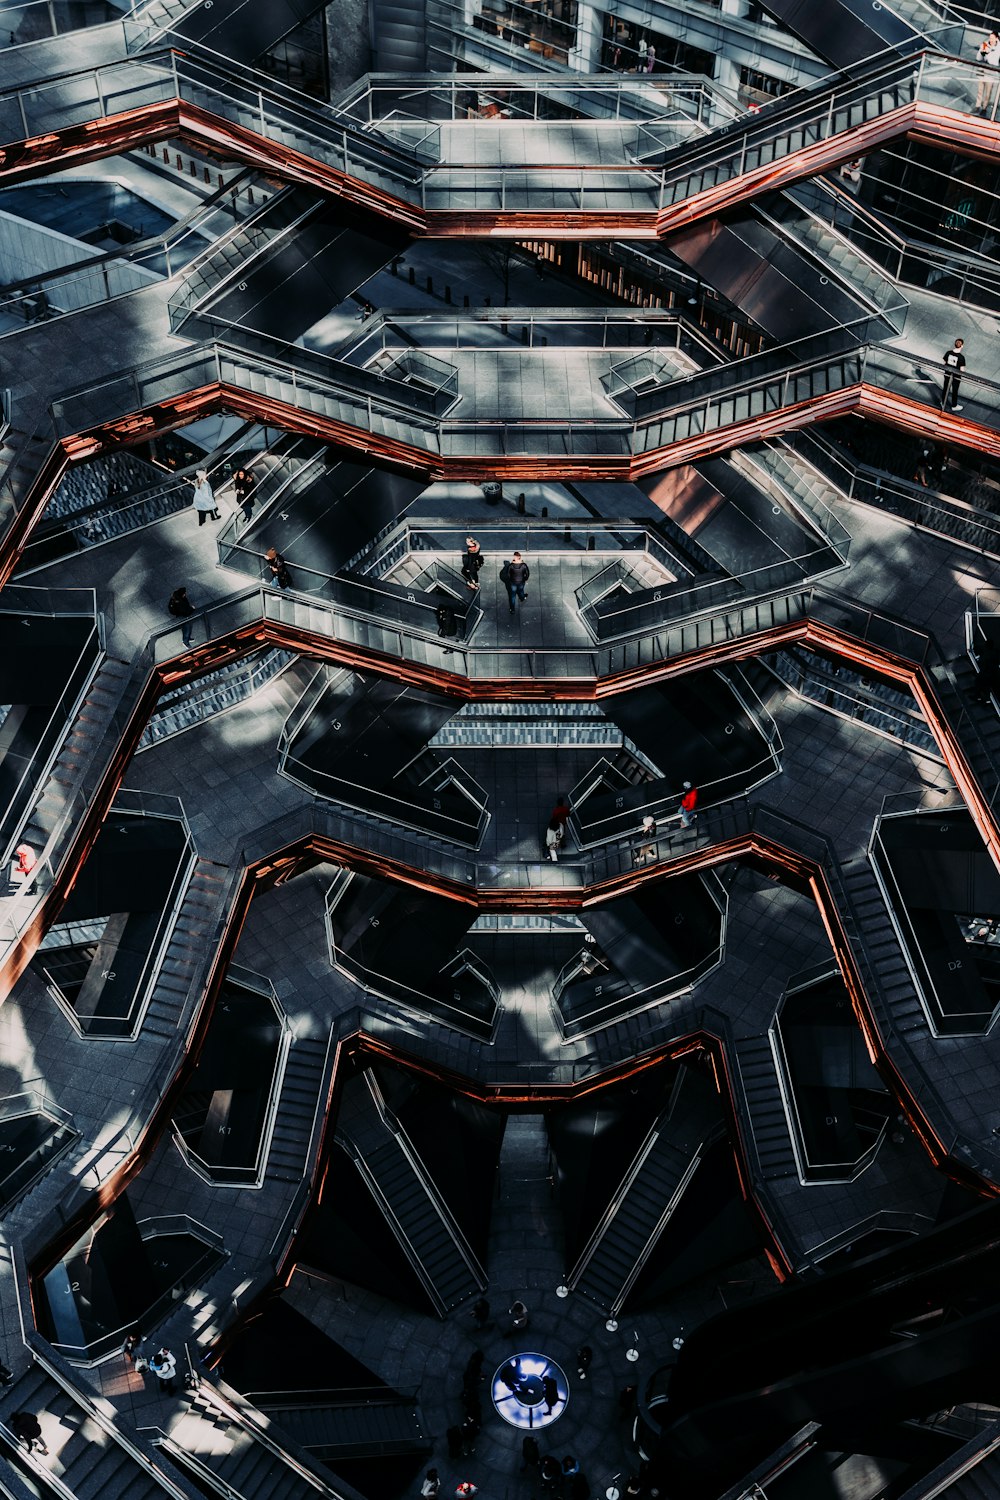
{"points": [[689, 804], [472, 1378], [204, 498], [562, 809], [550, 1390], [584, 1360], [518, 1316], [554, 835], [164, 1367], [550, 1472], [244, 483], [26, 1426], [988, 56], [25, 860], [447, 622], [472, 562], [278, 568], [180, 606], [531, 1454], [954, 362], [516, 574], [481, 1313]]}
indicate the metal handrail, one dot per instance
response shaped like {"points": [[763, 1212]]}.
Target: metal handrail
{"points": [[100, 1411], [393, 989], [808, 1170], [451, 1224], [326, 1396], [223, 200]]}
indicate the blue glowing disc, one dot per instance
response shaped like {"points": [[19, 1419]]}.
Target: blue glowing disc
{"points": [[530, 1390]]}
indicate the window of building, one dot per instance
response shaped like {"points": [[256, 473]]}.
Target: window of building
{"points": [[626, 48]]}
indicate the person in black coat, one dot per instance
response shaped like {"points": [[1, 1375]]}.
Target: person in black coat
{"points": [[244, 483], [472, 562], [180, 606], [518, 573]]}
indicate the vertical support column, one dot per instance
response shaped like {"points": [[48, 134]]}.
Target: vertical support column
{"points": [[586, 55]]}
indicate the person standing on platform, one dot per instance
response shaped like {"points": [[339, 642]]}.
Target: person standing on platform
{"points": [[954, 361], [472, 561], [640, 66], [650, 58], [164, 1367], [481, 1313], [204, 498], [518, 1316], [554, 835], [278, 568], [689, 805], [988, 56], [180, 606], [244, 483], [530, 1453], [516, 574]]}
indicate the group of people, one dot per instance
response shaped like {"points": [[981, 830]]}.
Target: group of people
{"points": [[645, 58], [162, 1363], [562, 1477], [513, 575], [205, 503]]}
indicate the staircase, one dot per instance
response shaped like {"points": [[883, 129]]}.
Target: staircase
{"points": [[382, 1425], [897, 996], [726, 626], [846, 34], [770, 1138], [83, 1455], [208, 1440], [416, 1213], [976, 725], [193, 938], [297, 1104], [36, 1141], [639, 1212], [156, 18], [81, 747]]}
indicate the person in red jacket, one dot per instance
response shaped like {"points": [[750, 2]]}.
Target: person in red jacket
{"points": [[689, 804]]}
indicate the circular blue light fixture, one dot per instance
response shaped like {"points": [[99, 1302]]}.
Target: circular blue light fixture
{"points": [[530, 1391]]}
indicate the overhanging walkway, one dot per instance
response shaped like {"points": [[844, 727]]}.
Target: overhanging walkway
{"points": [[602, 178]]}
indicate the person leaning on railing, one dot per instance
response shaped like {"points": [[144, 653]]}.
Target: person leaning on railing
{"points": [[988, 55]]}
